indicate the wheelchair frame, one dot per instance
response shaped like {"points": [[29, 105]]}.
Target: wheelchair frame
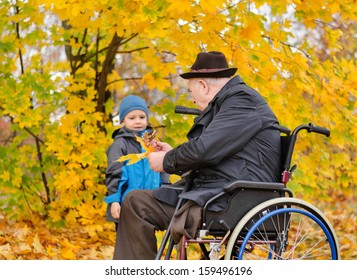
{"points": [[274, 228]]}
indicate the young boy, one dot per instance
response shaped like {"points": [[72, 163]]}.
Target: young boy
{"points": [[120, 177]]}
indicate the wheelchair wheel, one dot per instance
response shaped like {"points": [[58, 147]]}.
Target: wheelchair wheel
{"points": [[283, 229]]}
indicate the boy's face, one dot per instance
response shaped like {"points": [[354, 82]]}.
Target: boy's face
{"points": [[135, 120]]}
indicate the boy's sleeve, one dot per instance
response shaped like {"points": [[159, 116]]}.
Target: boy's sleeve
{"points": [[117, 197], [114, 168]]}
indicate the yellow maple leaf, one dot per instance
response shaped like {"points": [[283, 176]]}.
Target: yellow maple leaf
{"points": [[68, 254], [133, 158], [179, 7], [251, 31]]}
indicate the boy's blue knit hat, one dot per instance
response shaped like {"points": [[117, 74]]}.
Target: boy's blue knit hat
{"points": [[131, 103]]}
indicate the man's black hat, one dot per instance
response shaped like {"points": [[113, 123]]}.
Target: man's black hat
{"points": [[210, 65]]}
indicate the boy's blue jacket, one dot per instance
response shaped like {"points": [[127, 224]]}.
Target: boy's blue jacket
{"points": [[122, 178], [133, 177]]}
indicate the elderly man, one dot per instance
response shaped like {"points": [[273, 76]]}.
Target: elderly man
{"points": [[235, 137]]}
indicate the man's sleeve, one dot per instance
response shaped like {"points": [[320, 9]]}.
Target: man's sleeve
{"points": [[229, 131]]}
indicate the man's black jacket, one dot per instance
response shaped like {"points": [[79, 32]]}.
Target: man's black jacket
{"points": [[235, 138]]}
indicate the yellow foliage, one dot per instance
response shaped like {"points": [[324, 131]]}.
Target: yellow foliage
{"points": [[180, 7], [154, 82], [303, 65], [210, 6], [251, 32], [5, 176]]}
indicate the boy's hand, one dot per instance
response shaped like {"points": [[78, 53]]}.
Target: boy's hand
{"points": [[115, 210]]}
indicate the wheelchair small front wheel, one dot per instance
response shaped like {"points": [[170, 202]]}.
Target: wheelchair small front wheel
{"points": [[283, 229]]}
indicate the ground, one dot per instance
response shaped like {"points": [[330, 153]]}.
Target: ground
{"points": [[34, 240]]}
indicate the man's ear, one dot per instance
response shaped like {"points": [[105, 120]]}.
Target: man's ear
{"points": [[204, 85]]}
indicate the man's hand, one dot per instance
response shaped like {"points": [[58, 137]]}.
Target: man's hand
{"points": [[115, 210], [156, 159]]}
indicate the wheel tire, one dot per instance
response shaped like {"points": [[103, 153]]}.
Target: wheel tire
{"points": [[283, 228]]}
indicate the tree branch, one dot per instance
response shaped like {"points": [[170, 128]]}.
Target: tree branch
{"points": [[17, 24], [108, 61], [134, 50], [43, 175], [288, 45], [34, 136], [37, 139]]}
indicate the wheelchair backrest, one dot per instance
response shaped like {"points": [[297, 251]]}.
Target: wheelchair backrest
{"points": [[285, 140], [285, 143]]}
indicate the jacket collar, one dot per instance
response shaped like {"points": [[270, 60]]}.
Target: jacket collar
{"points": [[124, 132]]}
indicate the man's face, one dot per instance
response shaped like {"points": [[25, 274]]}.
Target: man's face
{"points": [[198, 89]]}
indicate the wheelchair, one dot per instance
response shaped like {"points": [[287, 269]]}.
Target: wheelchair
{"points": [[263, 220]]}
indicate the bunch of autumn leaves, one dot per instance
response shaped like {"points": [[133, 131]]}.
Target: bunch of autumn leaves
{"points": [[146, 143]]}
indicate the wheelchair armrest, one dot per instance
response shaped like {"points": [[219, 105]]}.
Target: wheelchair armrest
{"points": [[240, 184], [269, 186], [244, 185], [173, 187]]}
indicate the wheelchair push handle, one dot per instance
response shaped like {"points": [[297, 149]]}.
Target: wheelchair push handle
{"points": [[187, 111], [318, 129], [311, 128]]}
